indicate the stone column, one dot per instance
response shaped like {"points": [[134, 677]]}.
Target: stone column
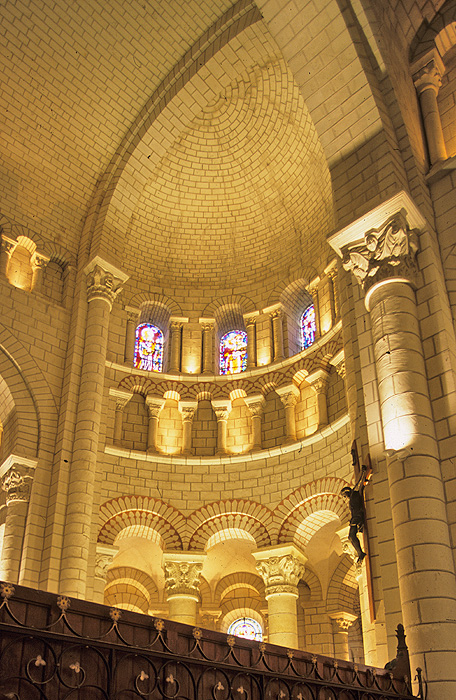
{"points": [[17, 478], [154, 406], [121, 398], [331, 273], [281, 568], [6, 251], [341, 623], [427, 76], [319, 382], [103, 285], [103, 560], [175, 328], [256, 408], [208, 326], [187, 409], [38, 264], [182, 577], [277, 333], [222, 411], [289, 396], [250, 325], [312, 288], [384, 264], [130, 337]]}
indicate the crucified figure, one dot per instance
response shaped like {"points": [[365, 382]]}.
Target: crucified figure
{"points": [[356, 504]]}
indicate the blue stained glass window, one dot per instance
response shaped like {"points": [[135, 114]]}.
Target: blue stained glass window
{"points": [[148, 348], [246, 627], [308, 327], [233, 352]]}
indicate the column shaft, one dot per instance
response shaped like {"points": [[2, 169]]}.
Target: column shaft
{"points": [[433, 125], [277, 332], [251, 349], [283, 619], [82, 478], [208, 348], [425, 564], [11, 554], [130, 338], [175, 353]]}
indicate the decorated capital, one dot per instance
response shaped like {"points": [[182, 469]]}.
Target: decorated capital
{"points": [[182, 574], [17, 483], [281, 569]]}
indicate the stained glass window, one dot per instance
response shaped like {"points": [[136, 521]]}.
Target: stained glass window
{"points": [[308, 327], [246, 627], [233, 352], [148, 348]]}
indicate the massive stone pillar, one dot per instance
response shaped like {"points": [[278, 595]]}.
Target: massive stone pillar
{"points": [[380, 250], [281, 568], [103, 285], [341, 623], [427, 76], [17, 478], [182, 577]]}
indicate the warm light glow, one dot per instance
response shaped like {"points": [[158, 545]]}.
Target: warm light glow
{"points": [[247, 628]]}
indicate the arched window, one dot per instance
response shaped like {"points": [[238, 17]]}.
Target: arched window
{"points": [[308, 327], [148, 348], [246, 627], [233, 352]]}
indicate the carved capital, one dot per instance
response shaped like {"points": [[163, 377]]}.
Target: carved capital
{"points": [[39, 262], [154, 406], [387, 252], [289, 395], [342, 621], [102, 284], [17, 483], [121, 398], [132, 315], [221, 414], [188, 410], [250, 321], [175, 326], [256, 407], [276, 314], [427, 74], [182, 577], [319, 381], [8, 245], [103, 561], [281, 569]]}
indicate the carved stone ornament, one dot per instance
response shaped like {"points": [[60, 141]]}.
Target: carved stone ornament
{"points": [[182, 577], [102, 563], [17, 483], [342, 622], [281, 574], [289, 399], [386, 253], [428, 77], [256, 408], [221, 414], [188, 413], [102, 285]]}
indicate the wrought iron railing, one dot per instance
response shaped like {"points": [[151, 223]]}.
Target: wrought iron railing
{"points": [[52, 648]]}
